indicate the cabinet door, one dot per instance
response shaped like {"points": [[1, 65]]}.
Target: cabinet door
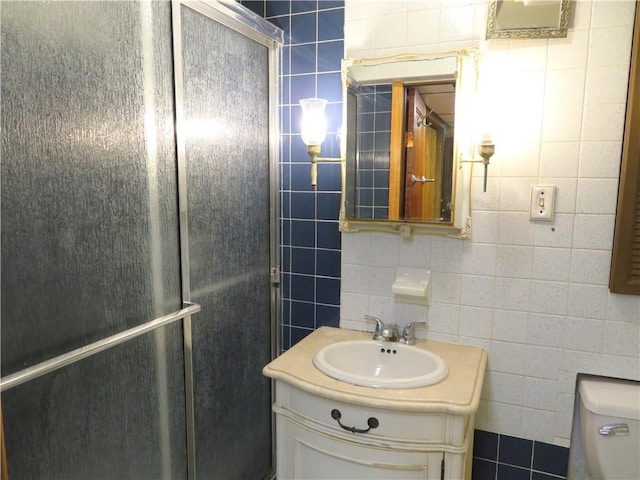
{"points": [[306, 454]]}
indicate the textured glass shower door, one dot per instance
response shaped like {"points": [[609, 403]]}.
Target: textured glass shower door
{"points": [[227, 75], [89, 240], [98, 166]]}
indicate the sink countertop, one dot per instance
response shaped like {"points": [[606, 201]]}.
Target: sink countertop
{"points": [[458, 393]]}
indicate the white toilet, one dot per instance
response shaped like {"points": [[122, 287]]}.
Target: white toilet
{"points": [[610, 427]]}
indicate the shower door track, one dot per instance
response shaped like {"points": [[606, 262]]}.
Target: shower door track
{"points": [[40, 369]]}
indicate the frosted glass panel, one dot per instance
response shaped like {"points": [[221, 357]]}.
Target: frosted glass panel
{"points": [[89, 239], [116, 415], [226, 108]]}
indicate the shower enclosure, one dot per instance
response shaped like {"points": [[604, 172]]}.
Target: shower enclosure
{"points": [[139, 240]]}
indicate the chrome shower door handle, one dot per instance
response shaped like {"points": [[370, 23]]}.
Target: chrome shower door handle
{"points": [[614, 430]]}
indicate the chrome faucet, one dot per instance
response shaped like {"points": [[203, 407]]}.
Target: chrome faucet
{"points": [[386, 333], [408, 333]]}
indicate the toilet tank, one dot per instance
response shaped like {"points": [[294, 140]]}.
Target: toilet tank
{"points": [[610, 427]]}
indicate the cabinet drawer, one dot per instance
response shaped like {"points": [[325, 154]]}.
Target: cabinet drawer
{"points": [[397, 426], [307, 454]]}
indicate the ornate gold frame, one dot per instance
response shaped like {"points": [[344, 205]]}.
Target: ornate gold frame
{"points": [[557, 32]]}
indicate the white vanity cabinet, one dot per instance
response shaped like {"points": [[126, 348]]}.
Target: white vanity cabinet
{"points": [[418, 433], [311, 443]]}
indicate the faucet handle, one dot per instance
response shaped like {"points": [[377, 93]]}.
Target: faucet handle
{"points": [[377, 335], [408, 333]]}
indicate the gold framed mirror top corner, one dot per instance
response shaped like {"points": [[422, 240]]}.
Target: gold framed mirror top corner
{"points": [[522, 19]]}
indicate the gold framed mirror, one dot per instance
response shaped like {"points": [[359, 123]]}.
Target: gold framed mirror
{"points": [[407, 128], [528, 19]]}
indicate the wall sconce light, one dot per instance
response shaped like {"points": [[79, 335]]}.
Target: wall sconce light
{"points": [[486, 148], [314, 130]]}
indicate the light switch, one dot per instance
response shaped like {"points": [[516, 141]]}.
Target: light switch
{"points": [[542, 202]]}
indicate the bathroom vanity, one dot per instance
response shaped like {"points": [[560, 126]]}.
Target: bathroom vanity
{"points": [[327, 428]]}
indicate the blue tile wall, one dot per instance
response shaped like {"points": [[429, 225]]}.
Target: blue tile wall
{"points": [[310, 237], [374, 118], [503, 457]]}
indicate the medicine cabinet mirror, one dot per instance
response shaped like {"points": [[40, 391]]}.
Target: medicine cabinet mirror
{"points": [[528, 18], [408, 125]]}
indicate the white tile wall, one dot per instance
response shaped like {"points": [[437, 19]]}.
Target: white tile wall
{"points": [[534, 295]]}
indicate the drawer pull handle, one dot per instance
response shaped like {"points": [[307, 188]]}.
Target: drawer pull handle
{"points": [[372, 422]]}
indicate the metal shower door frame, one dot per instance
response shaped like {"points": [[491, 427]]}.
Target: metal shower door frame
{"points": [[240, 19]]}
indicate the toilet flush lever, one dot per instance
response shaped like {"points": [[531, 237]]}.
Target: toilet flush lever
{"points": [[614, 430]]}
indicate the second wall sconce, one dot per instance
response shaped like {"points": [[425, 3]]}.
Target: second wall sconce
{"points": [[486, 148], [313, 130]]}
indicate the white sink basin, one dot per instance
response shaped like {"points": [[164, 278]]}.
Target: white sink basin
{"points": [[372, 363]]}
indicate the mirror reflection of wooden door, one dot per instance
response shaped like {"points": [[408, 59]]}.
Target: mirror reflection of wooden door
{"points": [[421, 201]]}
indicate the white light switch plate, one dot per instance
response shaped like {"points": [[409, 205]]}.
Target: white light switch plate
{"points": [[543, 199]]}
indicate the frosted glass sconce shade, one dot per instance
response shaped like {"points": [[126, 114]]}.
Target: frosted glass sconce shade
{"points": [[314, 124]]}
